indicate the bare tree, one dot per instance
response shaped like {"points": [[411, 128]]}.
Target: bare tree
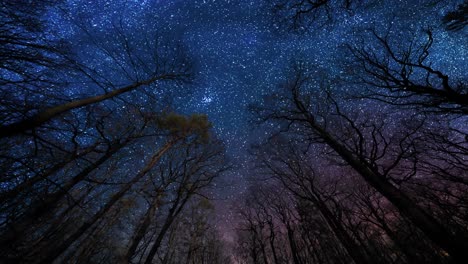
{"points": [[193, 237], [456, 20], [198, 166], [303, 15], [73, 134], [374, 210], [294, 108], [180, 129], [167, 62], [290, 167], [33, 57], [404, 76]]}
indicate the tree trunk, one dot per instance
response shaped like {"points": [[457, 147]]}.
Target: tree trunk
{"points": [[347, 241], [141, 229], [53, 253], [272, 241], [173, 212], [292, 245], [411, 256], [27, 184], [455, 245], [265, 258], [40, 209], [47, 114]]}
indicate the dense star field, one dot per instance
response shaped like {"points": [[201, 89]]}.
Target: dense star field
{"points": [[266, 131], [241, 55]]}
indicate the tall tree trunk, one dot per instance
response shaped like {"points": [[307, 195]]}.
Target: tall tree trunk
{"points": [[189, 253], [56, 224], [265, 257], [353, 249], [47, 114], [455, 245], [411, 256], [19, 228], [272, 241], [292, 244], [168, 256], [54, 253], [173, 212], [141, 229], [253, 253], [27, 184]]}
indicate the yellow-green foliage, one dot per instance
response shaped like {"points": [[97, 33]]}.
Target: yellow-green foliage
{"points": [[176, 124]]}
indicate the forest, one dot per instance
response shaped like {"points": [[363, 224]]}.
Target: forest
{"points": [[105, 157]]}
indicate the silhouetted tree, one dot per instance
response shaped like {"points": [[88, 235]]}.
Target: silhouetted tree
{"points": [[404, 76], [303, 15], [294, 107], [199, 167], [32, 56], [457, 19], [192, 237], [163, 64]]}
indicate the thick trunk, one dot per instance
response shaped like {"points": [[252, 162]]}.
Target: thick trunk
{"points": [[141, 229], [455, 245], [27, 184], [292, 245], [173, 212], [253, 255], [56, 225], [411, 256], [272, 242], [159, 238], [346, 240], [265, 258], [42, 208], [52, 254], [168, 256], [46, 115], [189, 254]]}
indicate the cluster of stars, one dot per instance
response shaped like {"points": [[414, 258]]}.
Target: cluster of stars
{"points": [[240, 57]]}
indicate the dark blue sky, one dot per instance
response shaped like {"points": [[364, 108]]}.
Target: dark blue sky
{"points": [[240, 56]]}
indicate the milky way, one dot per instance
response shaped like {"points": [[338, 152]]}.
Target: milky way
{"points": [[240, 55]]}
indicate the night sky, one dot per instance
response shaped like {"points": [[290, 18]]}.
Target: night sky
{"points": [[241, 55]]}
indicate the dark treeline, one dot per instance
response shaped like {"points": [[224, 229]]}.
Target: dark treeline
{"points": [[96, 166], [366, 167]]}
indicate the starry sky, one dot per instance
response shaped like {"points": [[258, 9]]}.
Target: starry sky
{"points": [[241, 53]]}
